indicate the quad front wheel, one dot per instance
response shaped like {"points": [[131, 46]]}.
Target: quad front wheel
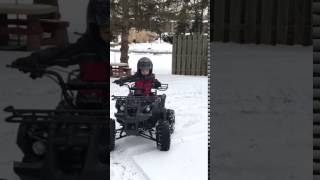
{"points": [[163, 134], [171, 119], [112, 134]]}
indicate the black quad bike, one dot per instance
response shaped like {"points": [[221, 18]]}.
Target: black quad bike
{"points": [[66, 143], [144, 116]]}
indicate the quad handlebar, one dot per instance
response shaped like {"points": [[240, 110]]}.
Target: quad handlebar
{"points": [[72, 84], [66, 87], [131, 87]]}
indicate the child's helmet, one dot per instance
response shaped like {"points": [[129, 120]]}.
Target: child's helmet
{"points": [[97, 18], [98, 12], [144, 63]]}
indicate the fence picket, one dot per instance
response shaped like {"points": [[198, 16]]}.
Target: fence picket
{"points": [[189, 55], [291, 29], [199, 47], [250, 28], [218, 23], [299, 20], [266, 22], [235, 20], [183, 55], [194, 54], [307, 32], [204, 56], [282, 23]]}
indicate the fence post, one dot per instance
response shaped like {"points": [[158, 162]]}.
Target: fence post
{"points": [[174, 55], [183, 55], [179, 49]]}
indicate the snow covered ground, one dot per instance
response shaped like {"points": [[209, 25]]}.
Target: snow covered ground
{"points": [[262, 121]]}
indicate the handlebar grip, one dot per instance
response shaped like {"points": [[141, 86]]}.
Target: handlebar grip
{"points": [[11, 66], [87, 85], [8, 109], [23, 68], [137, 88]]}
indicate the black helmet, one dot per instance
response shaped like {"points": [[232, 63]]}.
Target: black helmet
{"points": [[97, 17], [98, 12], [144, 63]]}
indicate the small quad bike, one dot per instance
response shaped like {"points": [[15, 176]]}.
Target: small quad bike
{"points": [[144, 116], [66, 143]]}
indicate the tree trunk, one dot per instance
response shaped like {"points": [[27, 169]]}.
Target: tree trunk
{"points": [[201, 19], [125, 33], [124, 46]]}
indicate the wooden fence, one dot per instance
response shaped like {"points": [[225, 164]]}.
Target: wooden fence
{"points": [[190, 55], [262, 21]]}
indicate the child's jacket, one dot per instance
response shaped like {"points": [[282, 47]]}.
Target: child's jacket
{"points": [[95, 72], [145, 82]]}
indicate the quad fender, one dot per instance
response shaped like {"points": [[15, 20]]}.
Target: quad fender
{"points": [[22, 142]]}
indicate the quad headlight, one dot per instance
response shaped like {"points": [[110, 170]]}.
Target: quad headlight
{"points": [[39, 148], [147, 109], [120, 105], [122, 108]]}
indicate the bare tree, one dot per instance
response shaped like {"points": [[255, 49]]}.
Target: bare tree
{"points": [[125, 32], [140, 14], [198, 7]]}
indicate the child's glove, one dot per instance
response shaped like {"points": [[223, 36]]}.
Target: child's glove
{"points": [[119, 82], [156, 84], [35, 75], [25, 64]]}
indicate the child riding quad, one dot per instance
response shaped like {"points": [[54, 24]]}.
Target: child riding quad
{"points": [[69, 142], [66, 143], [143, 112]]}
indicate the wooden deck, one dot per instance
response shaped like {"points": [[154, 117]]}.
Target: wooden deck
{"points": [[119, 69]]}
